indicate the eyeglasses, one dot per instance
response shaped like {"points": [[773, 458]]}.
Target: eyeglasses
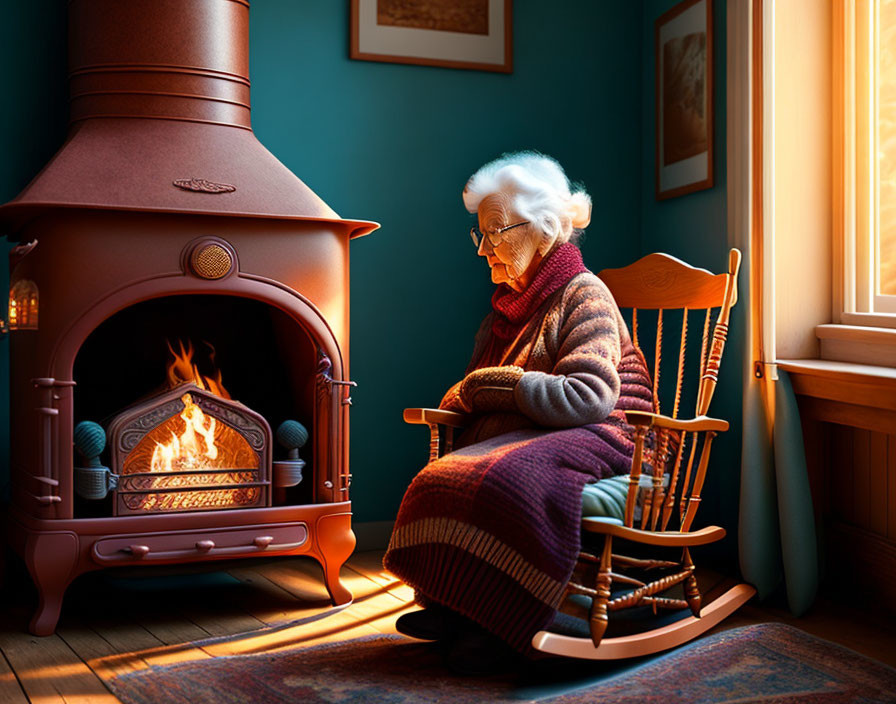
{"points": [[494, 240]]}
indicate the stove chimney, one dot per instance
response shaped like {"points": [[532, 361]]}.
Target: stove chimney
{"points": [[160, 59]]}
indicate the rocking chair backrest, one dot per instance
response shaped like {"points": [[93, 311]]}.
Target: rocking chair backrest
{"points": [[660, 283]]}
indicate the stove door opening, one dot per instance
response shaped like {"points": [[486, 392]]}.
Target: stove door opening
{"points": [[176, 402]]}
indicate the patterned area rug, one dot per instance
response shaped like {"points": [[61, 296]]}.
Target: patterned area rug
{"points": [[765, 662]]}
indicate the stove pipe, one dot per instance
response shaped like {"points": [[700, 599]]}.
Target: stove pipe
{"points": [[160, 120], [160, 59]]}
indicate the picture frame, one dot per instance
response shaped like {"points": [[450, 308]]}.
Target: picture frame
{"points": [[683, 50], [466, 34]]}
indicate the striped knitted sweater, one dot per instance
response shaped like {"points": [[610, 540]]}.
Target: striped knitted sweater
{"points": [[564, 369]]}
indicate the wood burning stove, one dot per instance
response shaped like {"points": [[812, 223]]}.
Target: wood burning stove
{"points": [[162, 224]]}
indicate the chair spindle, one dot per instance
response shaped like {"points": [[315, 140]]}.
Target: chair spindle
{"points": [[657, 498], [681, 355], [669, 503], [694, 498], [711, 373], [635, 476], [433, 442], [719, 336], [657, 357], [682, 503], [704, 347], [597, 617], [691, 591]]}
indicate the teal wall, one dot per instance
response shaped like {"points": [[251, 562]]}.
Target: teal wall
{"points": [[395, 144], [694, 227]]}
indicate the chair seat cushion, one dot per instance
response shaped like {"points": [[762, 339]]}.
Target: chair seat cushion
{"points": [[606, 519], [606, 498]]}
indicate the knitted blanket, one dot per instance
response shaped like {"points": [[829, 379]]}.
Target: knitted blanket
{"points": [[493, 530]]}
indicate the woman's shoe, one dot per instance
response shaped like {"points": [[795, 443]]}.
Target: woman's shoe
{"points": [[477, 652], [432, 623]]}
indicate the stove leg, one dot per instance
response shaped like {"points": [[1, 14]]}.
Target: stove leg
{"points": [[336, 541], [338, 593], [51, 559]]}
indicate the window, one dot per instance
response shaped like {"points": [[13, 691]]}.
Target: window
{"points": [[865, 141]]}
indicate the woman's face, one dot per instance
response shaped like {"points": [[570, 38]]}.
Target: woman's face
{"points": [[513, 255]]}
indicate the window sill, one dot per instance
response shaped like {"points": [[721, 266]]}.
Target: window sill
{"points": [[844, 382], [862, 345], [871, 320]]}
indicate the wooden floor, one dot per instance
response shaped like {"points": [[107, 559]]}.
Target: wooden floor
{"points": [[113, 624]]}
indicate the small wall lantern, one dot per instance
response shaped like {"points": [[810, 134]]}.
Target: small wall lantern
{"points": [[23, 305]]}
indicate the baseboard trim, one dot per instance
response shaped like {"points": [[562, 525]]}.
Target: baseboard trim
{"points": [[372, 535]]}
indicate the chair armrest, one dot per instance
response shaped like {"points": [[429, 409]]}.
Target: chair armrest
{"points": [[690, 425], [704, 536], [428, 416]]}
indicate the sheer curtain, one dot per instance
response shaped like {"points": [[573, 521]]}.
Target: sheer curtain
{"points": [[776, 530]]}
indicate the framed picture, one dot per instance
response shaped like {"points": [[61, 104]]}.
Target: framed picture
{"points": [[473, 34], [684, 93]]}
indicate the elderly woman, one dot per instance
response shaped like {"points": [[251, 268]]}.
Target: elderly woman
{"points": [[488, 535]]}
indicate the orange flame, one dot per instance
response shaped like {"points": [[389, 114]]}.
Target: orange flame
{"points": [[191, 441], [187, 451], [182, 370]]}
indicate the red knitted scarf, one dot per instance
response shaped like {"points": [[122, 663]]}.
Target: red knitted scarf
{"points": [[513, 310]]}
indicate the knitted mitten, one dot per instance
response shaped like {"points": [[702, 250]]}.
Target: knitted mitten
{"points": [[490, 389]]}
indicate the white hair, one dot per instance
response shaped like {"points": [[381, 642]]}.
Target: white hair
{"points": [[539, 190]]}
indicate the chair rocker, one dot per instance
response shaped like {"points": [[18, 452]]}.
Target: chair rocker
{"points": [[669, 466]]}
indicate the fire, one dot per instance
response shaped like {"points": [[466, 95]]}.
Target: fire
{"points": [[194, 446], [194, 460], [182, 370], [193, 449]]}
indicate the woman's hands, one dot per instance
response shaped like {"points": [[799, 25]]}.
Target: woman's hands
{"points": [[484, 390]]}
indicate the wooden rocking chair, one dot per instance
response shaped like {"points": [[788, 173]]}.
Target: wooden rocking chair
{"points": [[672, 453]]}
